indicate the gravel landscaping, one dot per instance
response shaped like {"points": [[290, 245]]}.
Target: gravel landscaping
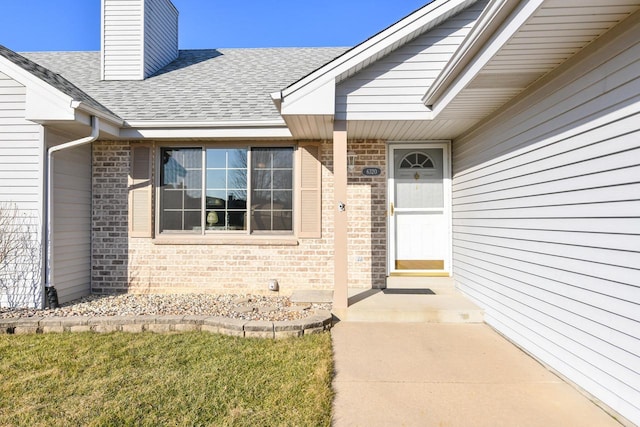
{"points": [[244, 307]]}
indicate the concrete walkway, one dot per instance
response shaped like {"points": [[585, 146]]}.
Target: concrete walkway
{"points": [[429, 374]]}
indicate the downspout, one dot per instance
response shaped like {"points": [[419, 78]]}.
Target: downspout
{"points": [[50, 290]]}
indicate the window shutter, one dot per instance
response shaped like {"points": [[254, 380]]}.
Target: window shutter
{"points": [[309, 201], [140, 190]]}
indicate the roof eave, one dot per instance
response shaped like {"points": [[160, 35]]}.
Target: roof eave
{"points": [[239, 129], [504, 26], [492, 16], [378, 43]]}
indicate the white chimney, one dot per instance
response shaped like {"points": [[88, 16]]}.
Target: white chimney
{"points": [[139, 37]]}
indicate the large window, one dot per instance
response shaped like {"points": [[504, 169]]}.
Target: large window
{"points": [[237, 198]]}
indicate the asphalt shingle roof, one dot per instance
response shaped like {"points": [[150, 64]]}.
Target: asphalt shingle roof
{"points": [[200, 85], [52, 78]]}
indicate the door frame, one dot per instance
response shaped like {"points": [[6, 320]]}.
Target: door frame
{"points": [[446, 178]]}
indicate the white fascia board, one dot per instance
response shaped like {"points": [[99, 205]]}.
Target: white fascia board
{"points": [[43, 100], [421, 18], [268, 129], [507, 30], [83, 107], [110, 127], [321, 100], [43, 105], [494, 11]]}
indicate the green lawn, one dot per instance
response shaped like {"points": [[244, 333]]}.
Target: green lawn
{"points": [[149, 379]]}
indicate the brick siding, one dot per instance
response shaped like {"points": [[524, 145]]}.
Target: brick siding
{"points": [[138, 265]]}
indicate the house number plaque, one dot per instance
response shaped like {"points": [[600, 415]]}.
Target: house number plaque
{"points": [[371, 171]]}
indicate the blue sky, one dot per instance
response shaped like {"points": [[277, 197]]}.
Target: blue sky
{"points": [[37, 25]]}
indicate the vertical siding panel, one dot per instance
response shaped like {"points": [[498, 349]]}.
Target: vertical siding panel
{"points": [[161, 35], [21, 186], [122, 38], [71, 220], [138, 38], [546, 210]]}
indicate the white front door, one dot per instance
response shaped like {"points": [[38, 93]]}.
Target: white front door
{"points": [[419, 209]]}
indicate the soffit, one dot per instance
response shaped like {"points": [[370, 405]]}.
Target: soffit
{"points": [[550, 36], [555, 32]]}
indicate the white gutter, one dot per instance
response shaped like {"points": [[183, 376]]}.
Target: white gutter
{"points": [[83, 106], [238, 129], [95, 132], [150, 124]]}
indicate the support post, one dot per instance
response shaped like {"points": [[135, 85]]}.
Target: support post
{"points": [[341, 274]]}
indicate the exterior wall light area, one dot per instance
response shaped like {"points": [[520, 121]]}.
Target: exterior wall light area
{"points": [[351, 160]]}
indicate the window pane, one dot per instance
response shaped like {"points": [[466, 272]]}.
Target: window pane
{"points": [[237, 179], [181, 189], [282, 220], [226, 189], [261, 158], [272, 189], [193, 180], [237, 220], [216, 179], [261, 179], [237, 198], [192, 220], [283, 179], [172, 220], [215, 199], [193, 199], [216, 158], [261, 199], [238, 159], [282, 158], [282, 199], [172, 199]]}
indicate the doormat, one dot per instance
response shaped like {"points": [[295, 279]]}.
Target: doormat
{"points": [[408, 292]]}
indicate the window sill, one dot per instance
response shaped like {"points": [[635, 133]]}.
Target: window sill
{"points": [[227, 240]]}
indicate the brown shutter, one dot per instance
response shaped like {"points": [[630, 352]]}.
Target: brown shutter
{"points": [[140, 190], [309, 212]]}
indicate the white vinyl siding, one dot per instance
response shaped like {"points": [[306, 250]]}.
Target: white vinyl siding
{"points": [[161, 35], [138, 38], [20, 174], [546, 221], [122, 39], [393, 86], [71, 220]]}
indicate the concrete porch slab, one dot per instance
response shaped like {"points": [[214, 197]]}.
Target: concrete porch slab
{"points": [[435, 304], [311, 296]]}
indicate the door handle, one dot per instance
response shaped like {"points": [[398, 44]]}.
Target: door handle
{"points": [[391, 210]]}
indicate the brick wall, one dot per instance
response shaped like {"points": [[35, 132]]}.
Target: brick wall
{"points": [[124, 264], [110, 242], [366, 209]]}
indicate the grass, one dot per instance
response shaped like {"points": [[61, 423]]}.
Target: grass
{"points": [[149, 379]]}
